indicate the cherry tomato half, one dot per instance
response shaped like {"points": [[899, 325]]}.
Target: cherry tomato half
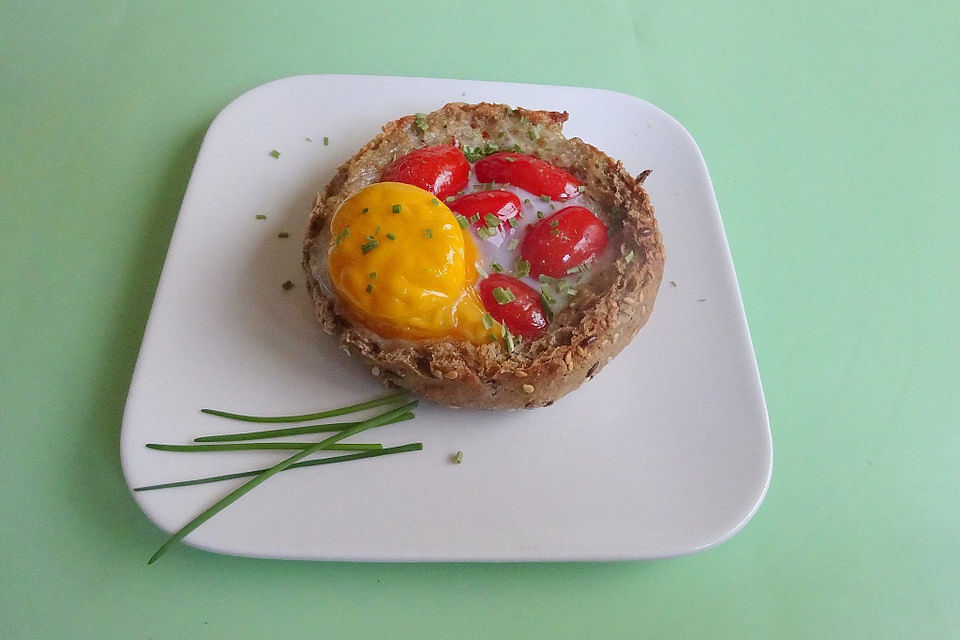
{"points": [[502, 205], [442, 170], [523, 315], [563, 240], [537, 176]]}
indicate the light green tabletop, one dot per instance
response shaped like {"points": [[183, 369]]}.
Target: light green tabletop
{"points": [[832, 132]]}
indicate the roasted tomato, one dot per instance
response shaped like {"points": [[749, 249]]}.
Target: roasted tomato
{"points": [[514, 304], [442, 170], [502, 205], [563, 240], [527, 172]]}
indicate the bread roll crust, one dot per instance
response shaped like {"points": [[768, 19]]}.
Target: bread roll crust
{"points": [[581, 339]]}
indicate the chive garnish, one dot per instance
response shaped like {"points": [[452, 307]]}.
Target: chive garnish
{"points": [[554, 223], [428, 233], [308, 139], [491, 220], [522, 268], [555, 232], [544, 197], [261, 446], [513, 223], [265, 475], [326, 140], [369, 288], [581, 189], [527, 201], [475, 218], [287, 285], [391, 236], [369, 246], [283, 234], [373, 274], [487, 320], [509, 343], [513, 244], [435, 202], [395, 208], [483, 272], [289, 431], [539, 215], [421, 121], [365, 209], [450, 198], [503, 295], [496, 267], [461, 221], [275, 154], [485, 233], [534, 132], [415, 446], [260, 216], [629, 256], [458, 457], [353, 408], [343, 235], [673, 283]]}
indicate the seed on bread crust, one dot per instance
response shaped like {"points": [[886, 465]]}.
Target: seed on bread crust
{"points": [[544, 369]]}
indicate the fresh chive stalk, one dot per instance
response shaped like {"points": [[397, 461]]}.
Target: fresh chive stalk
{"points": [[263, 446], [414, 446], [242, 490], [290, 431], [353, 408]]}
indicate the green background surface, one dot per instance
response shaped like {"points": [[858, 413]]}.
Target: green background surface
{"points": [[832, 132]]}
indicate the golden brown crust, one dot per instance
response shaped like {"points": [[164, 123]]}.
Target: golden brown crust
{"points": [[582, 338]]}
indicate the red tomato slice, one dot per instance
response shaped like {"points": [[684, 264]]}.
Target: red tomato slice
{"points": [[523, 315], [442, 170], [502, 205], [527, 172], [563, 240]]}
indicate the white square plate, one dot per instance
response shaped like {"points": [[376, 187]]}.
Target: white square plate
{"points": [[666, 452]]}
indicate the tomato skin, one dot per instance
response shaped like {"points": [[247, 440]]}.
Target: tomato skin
{"points": [[563, 240], [537, 176], [524, 316], [442, 170], [503, 205]]}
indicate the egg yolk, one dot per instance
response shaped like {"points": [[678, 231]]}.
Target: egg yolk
{"points": [[403, 267]]}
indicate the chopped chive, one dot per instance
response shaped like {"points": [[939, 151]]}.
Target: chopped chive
{"points": [[353, 408], [289, 431], [414, 446], [555, 232], [673, 283], [373, 275], [283, 234], [513, 244], [496, 267], [287, 285], [343, 235], [260, 216], [544, 278], [491, 220], [554, 223], [326, 140], [370, 288], [581, 189], [545, 302], [365, 209], [572, 270], [450, 198], [544, 198], [462, 221], [527, 201], [540, 215], [435, 202], [458, 457], [475, 218], [395, 208], [485, 233], [503, 295], [242, 490], [483, 272], [428, 233], [629, 256], [391, 236], [421, 121], [487, 320], [522, 268], [534, 132], [509, 342], [275, 153], [308, 139], [377, 232], [369, 246], [260, 446]]}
